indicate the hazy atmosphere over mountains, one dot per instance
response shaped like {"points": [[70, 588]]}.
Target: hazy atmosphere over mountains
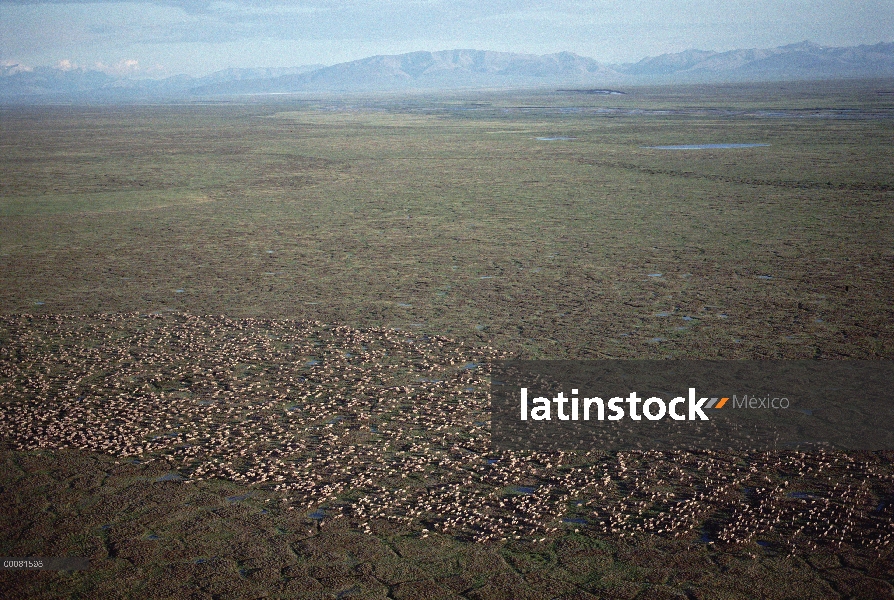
{"points": [[457, 69], [150, 49]]}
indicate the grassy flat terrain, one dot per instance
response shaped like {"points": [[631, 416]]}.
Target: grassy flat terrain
{"points": [[243, 346], [453, 218]]}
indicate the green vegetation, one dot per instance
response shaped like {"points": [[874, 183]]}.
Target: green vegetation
{"points": [[319, 225], [450, 217]]}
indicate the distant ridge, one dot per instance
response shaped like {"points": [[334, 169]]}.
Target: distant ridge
{"points": [[449, 69], [804, 60], [461, 69]]}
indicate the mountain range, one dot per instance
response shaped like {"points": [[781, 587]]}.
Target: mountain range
{"points": [[458, 69]]}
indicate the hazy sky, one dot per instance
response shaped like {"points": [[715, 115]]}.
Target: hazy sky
{"points": [[167, 37]]}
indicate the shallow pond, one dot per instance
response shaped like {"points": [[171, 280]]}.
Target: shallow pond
{"points": [[801, 495]]}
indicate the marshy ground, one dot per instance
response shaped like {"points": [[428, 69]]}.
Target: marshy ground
{"points": [[244, 347]]}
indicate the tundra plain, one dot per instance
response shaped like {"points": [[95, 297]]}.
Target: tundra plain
{"points": [[244, 345]]}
